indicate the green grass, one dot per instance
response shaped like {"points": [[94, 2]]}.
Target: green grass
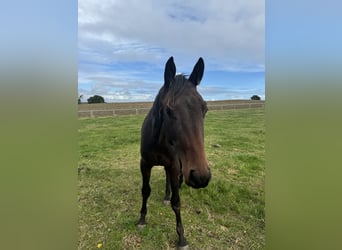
{"points": [[228, 214]]}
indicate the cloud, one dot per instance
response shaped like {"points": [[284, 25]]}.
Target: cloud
{"points": [[213, 93], [220, 29], [120, 41]]}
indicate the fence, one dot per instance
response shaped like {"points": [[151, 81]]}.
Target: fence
{"points": [[138, 111]]}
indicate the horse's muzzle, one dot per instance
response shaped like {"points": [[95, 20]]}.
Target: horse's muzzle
{"points": [[198, 180]]}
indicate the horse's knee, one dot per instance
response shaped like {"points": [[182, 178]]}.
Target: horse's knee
{"points": [[175, 207]]}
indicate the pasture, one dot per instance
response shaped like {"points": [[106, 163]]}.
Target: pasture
{"points": [[228, 214]]}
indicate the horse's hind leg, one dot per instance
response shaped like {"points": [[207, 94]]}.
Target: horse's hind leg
{"points": [[145, 191], [167, 187]]}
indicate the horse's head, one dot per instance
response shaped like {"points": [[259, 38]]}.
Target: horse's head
{"points": [[182, 111]]}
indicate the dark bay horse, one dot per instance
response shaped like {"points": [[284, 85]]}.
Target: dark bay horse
{"points": [[172, 136]]}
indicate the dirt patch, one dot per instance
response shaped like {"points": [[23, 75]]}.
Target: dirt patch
{"points": [[131, 241]]}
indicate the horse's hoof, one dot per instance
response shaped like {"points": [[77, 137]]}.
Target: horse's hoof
{"points": [[141, 226], [186, 247], [166, 202]]}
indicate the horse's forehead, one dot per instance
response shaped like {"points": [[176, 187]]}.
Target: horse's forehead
{"points": [[191, 94]]}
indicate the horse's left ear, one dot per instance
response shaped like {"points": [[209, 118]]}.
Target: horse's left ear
{"points": [[197, 72]]}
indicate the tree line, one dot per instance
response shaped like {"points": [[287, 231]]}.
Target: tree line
{"points": [[100, 99], [92, 99]]}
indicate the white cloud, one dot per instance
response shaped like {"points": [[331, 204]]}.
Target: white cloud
{"points": [[229, 34], [218, 92], [223, 31]]}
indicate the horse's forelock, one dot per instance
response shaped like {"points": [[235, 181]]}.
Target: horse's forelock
{"points": [[176, 87]]}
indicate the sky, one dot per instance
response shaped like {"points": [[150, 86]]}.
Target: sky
{"points": [[123, 47]]}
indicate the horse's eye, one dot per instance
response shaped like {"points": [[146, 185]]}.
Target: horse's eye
{"points": [[170, 113]]}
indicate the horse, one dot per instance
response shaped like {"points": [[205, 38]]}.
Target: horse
{"points": [[172, 135]]}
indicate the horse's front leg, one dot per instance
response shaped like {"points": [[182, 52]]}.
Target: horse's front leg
{"points": [[145, 191], [175, 203], [167, 187]]}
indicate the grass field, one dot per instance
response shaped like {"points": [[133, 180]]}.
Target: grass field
{"points": [[228, 214]]}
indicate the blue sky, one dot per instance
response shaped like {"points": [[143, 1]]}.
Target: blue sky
{"points": [[123, 47]]}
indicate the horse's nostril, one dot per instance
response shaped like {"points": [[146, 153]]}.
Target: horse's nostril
{"points": [[194, 175], [197, 180]]}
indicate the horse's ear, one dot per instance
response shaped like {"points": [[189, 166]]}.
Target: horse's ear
{"points": [[197, 72], [170, 72]]}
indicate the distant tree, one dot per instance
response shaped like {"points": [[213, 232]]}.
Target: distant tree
{"points": [[96, 99], [79, 99], [255, 97]]}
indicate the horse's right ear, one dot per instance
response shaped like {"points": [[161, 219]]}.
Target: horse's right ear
{"points": [[170, 72]]}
